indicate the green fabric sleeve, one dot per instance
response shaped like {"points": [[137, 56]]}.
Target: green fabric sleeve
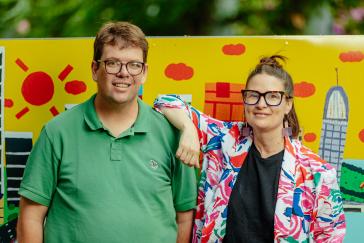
{"points": [[34, 196], [184, 187], [40, 175]]}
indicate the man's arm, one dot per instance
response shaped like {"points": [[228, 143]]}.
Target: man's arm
{"points": [[184, 222], [30, 221]]}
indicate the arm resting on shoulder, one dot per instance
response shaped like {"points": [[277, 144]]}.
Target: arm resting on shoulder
{"points": [[201, 121], [30, 221], [184, 222], [189, 146]]}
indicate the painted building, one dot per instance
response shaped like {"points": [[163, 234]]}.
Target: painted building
{"points": [[224, 101], [334, 126]]}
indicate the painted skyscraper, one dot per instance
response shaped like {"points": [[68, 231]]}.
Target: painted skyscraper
{"points": [[334, 125]]}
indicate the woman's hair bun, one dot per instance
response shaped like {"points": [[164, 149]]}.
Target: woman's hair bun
{"points": [[272, 61]]}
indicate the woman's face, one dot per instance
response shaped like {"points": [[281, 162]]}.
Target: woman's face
{"points": [[261, 116]]}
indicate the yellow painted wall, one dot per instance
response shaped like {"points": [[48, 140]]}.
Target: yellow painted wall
{"points": [[312, 59]]}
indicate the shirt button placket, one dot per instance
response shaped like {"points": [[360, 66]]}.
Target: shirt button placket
{"points": [[116, 150]]}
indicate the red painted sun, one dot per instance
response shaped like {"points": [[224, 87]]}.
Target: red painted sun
{"points": [[38, 88]]}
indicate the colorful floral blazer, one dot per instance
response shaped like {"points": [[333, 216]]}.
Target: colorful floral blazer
{"points": [[309, 204]]}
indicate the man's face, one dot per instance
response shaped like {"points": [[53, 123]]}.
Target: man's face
{"points": [[121, 87]]}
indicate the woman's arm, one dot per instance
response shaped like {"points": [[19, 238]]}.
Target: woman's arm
{"points": [[330, 223], [189, 147], [196, 127]]}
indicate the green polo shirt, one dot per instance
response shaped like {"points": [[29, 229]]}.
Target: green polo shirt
{"points": [[99, 188]]}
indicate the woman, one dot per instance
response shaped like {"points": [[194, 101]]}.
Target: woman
{"points": [[258, 184]]}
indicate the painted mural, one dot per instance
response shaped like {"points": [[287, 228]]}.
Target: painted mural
{"points": [[42, 77], [2, 182]]}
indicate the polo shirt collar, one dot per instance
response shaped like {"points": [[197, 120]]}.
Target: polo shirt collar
{"points": [[141, 124], [90, 115], [94, 123]]}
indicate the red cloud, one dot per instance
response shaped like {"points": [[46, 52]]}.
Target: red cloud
{"points": [[304, 89], [179, 71], [9, 103], [232, 49], [361, 135], [75, 87], [351, 56], [309, 137]]}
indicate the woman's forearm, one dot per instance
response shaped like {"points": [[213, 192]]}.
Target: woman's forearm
{"points": [[189, 145], [177, 117]]}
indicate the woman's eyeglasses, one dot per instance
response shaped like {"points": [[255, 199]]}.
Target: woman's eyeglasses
{"points": [[272, 98]]}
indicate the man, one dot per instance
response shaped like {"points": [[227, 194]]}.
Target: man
{"points": [[105, 170]]}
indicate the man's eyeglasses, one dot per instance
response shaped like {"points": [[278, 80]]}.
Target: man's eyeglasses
{"points": [[272, 98], [114, 66]]}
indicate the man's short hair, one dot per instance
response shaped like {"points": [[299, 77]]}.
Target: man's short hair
{"points": [[120, 33]]}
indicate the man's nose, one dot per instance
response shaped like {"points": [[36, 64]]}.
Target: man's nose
{"points": [[123, 71]]}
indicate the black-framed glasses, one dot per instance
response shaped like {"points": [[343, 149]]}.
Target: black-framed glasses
{"points": [[113, 66], [272, 98]]}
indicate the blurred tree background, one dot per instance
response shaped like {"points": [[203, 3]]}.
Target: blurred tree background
{"points": [[76, 18]]}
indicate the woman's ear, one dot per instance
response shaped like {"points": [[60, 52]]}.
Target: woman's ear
{"points": [[289, 105]]}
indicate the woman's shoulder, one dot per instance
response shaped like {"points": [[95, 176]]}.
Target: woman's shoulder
{"points": [[311, 160], [233, 128]]}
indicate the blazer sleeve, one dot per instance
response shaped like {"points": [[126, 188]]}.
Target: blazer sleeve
{"points": [[329, 225], [207, 127]]}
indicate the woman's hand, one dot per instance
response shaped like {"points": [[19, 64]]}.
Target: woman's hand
{"points": [[189, 146]]}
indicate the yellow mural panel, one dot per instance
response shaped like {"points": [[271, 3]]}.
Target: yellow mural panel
{"points": [[43, 76], [49, 57], [311, 59]]}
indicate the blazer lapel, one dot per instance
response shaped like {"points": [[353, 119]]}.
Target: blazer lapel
{"points": [[286, 186], [217, 211]]}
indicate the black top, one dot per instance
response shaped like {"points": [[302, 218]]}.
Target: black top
{"points": [[250, 216]]}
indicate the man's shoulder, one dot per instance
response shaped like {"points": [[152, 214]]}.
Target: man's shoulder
{"points": [[158, 119], [161, 121], [68, 118]]}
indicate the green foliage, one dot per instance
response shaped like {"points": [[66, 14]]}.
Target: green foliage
{"points": [[77, 18], [350, 181]]}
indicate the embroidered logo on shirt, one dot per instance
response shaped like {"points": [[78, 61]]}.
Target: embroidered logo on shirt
{"points": [[153, 164]]}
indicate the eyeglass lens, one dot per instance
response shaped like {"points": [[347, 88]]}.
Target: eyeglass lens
{"points": [[114, 67], [272, 98]]}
